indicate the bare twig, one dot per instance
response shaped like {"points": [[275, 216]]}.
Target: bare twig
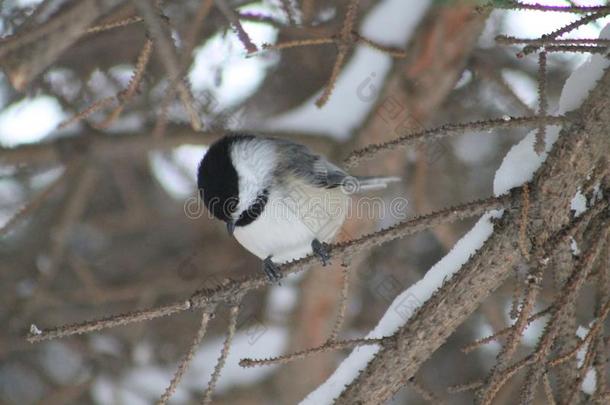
{"points": [[515, 5], [127, 94], [232, 288], [123, 22], [342, 306], [38, 335], [233, 18], [328, 346], [233, 313], [168, 56], [540, 144], [505, 331], [29, 207], [508, 40], [564, 30], [566, 298], [169, 391], [443, 131], [525, 208]]}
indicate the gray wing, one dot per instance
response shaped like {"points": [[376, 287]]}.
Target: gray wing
{"points": [[300, 161]]}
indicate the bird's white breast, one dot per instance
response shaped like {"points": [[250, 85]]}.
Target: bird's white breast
{"points": [[292, 219]]}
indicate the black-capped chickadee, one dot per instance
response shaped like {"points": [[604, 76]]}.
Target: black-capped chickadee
{"points": [[280, 200]]}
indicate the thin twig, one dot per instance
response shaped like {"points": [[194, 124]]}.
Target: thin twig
{"points": [[565, 298], [233, 313], [548, 390], [508, 40], [123, 22], [289, 11], [328, 346], [525, 208], [456, 389], [564, 30], [126, 95], [515, 5], [167, 53], [37, 335], [342, 306], [95, 106], [443, 131], [540, 144], [29, 207], [480, 342], [423, 392], [169, 391], [206, 297], [233, 18]]}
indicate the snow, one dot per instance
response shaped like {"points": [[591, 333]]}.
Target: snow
{"points": [[578, 203], [518, 166], [29, 120], [362, 77], [170, 177], [269, 344], [283, 298], [521, 162], [146, 381], [219, 66], [523, 85], [574, 247], [475, 147], [34, 330], [590, 381], [402, 308], [61, 363]]}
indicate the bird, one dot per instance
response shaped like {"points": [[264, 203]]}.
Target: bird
{"points": [[279, 200]]}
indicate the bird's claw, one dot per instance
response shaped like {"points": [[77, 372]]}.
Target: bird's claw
{"points": [[322, 250], [272, 270]]}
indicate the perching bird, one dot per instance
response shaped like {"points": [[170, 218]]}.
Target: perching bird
{"points": [[280, 200]]}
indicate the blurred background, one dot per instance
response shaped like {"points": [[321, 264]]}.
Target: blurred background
{"points": [[102, 221]]}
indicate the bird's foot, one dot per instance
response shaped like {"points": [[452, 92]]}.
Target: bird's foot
{"points": [[322, 250], [272, 270]]}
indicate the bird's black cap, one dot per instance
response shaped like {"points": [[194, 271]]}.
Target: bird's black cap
{"points": [[217, 178]]}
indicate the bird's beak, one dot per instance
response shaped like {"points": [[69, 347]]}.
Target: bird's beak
{"points": [[230, 228]]}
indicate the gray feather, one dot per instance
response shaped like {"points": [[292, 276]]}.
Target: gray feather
{"points": [[300, 161]]}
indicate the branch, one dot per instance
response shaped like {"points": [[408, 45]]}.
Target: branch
{"points": [[167, 52], [443, 131], [458, 298], [27, 54], [232, 288]]}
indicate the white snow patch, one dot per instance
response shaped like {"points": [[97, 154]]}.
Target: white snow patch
{"points": [[402, 308], [361, 80], [523, 85], [574, 247], [169, 176], [271, 342], [590, 381], [282, 299], [219, 66], [34, 330], [475, 147], [105, 344], [146, 382], [29, 120], [578, 203], [521, 162]]}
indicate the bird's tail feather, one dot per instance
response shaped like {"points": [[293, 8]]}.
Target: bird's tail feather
{"points": [[371, 183]]}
